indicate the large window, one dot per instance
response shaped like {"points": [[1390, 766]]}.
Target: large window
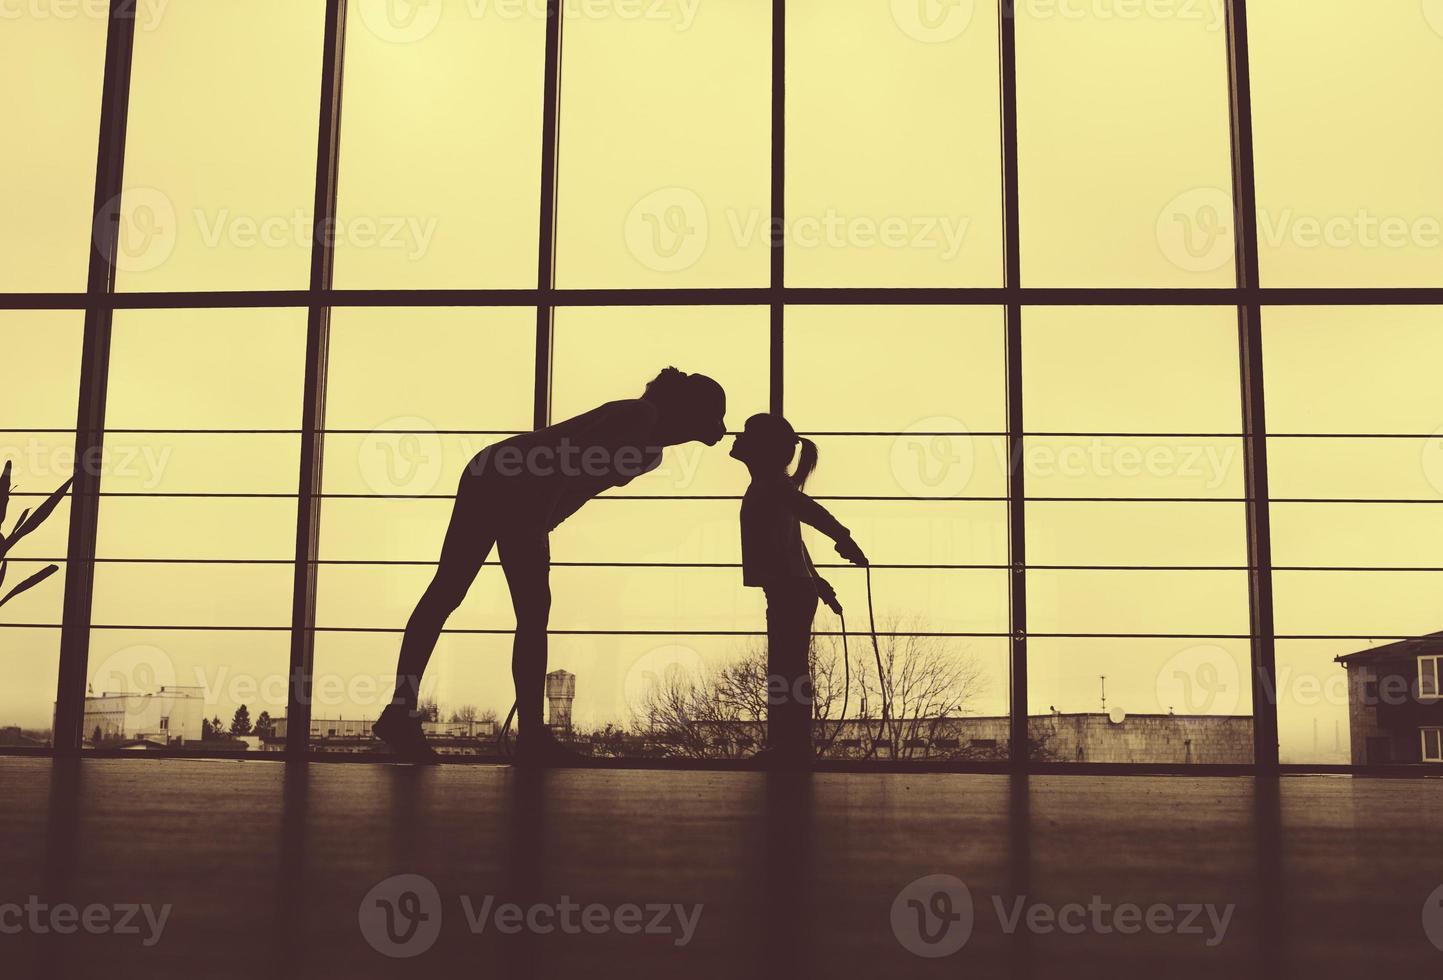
{"points": [[1136, 465]]}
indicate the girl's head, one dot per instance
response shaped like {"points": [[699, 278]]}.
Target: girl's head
{"points": [[768, 442]]}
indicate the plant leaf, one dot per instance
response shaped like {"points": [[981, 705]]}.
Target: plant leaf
{"points": [[31, 582], [5, 542], [4, 567], [41, 512], [4, 495]]}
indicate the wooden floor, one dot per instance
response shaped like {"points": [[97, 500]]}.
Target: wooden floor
{"points": [[265, 869]]}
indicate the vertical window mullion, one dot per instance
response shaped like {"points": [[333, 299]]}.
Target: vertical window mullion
{"points": [[546, 242], [1255, 429], [94, 380], [777, 275], [313, 411], [1016, 484]]}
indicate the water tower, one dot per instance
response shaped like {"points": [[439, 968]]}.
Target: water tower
{"points": [[560, 692]]}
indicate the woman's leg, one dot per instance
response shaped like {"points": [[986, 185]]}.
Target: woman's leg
{"points": [[468, 542], [526, 560]]}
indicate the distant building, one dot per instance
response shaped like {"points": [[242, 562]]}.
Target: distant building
{"points": [[354, 735], [13, 737], [1083, 737], [171, 716], [1395, 702]]}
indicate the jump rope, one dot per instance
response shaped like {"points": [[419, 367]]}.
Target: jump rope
{"points": [[505, 743]]}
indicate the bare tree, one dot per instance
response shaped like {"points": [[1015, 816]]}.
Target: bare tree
{"points": [[721, 712]]}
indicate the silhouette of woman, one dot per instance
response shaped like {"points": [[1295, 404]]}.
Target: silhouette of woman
{"points": [[511, 495]]}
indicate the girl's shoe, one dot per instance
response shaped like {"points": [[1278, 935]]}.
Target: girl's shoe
{"points": [[403, 734]]}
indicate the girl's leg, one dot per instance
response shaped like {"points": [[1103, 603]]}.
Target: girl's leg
{"points": [[526, 560], [789, 638], [468, 543]]}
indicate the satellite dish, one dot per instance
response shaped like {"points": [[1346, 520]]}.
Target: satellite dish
{"points": [[1117, 716]]}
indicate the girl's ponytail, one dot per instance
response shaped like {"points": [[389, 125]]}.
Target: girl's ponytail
{"points": [[806, 462]]}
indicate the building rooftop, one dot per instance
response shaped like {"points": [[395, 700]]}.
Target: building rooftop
{"points": [[1397, 650]]}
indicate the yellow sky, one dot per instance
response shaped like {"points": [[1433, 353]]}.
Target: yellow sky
{"points": [[893, 143]]}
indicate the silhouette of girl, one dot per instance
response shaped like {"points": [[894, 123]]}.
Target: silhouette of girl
{"points": [[775, 559], [511, 495]]}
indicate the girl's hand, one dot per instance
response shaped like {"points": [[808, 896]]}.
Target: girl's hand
{"points": [[848, 549], [828, 595]]}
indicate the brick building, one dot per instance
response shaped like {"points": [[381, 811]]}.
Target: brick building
{"points": [[1395, 702]]}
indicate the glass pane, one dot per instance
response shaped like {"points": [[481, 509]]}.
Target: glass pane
{"points": [[1144, 369], [1086, 532], [183, 689], [1357, 535], [31, 661], [181, 556], [1125, 170], [1180, 702], [441, 146], [1324, 714], [895, 369], [40, 390], [50, 70], [602, 354], [1365, 210], [42, 383], [1356, 469], [220, 162], [920, 463], [1349, 603], [892, 146], [665, 145], [1360, 370], [206, 369], [451, 369]]}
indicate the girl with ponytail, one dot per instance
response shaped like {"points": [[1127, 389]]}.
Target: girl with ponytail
{"points": [[775, 559]]}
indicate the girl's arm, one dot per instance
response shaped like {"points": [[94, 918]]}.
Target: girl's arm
{"points": [[813, 514]]}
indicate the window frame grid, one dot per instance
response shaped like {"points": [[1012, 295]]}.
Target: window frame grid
{"points": [[1248, 297]]}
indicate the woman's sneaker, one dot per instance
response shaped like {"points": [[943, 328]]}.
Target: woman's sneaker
{"points": [[403, 734], [543, 751]]}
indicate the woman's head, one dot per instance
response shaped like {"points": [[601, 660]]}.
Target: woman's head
{"points": [[768, 442], [691, 406]]}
